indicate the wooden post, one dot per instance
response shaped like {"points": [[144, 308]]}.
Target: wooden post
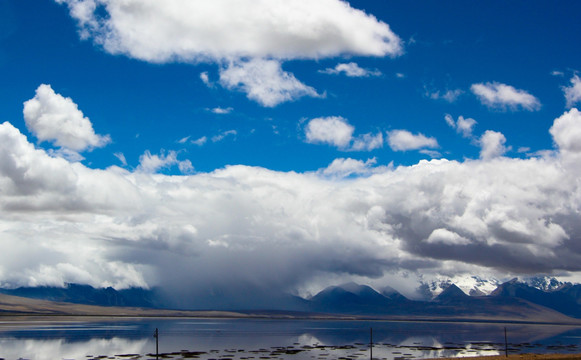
{"points": [[156, 336], [370, 343], [505, 343]]}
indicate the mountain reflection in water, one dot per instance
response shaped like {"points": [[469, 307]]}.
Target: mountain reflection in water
{"points": [[238, 339]]}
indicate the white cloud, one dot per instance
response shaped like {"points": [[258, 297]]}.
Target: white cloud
{"points": [[501, 96], [121, 158], [332, 130], [186, 167], [201, 141], [573, 92], [221, 111], [151, 163], [52, 117], [449, 95], [254, 44], [463, 125], [221, 136], [206, 79], [198, 30], [65, 222], [434, 154], [264, 81], [566, 132], [403, 140], [446, 237], [344, 167], [492, 145], [367, 142], [184, 140], [351, 70], [336, 131]]}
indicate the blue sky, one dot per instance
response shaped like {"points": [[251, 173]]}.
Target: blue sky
{"points": [[446, 47], [347, 96]]}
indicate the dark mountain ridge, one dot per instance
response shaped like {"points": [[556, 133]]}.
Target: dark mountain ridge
{"points": [[511, 300]]}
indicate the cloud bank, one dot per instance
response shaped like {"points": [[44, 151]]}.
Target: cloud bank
{"points": [[248, 227]]}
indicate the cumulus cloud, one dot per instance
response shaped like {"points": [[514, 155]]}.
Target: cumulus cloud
{"points": [[332, 130], [245, 227], [566, 132], [492, 145], [264, 81], [573, 92], [463, 125], [501, 96], [351, 70], [52, 117], [191, 31], [253, 44], [403, 140], [336, 131]]}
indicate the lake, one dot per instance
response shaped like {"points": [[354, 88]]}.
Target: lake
{"points": [[254, 339]]}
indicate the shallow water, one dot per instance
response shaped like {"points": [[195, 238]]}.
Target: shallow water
{"points": [[243, 339]]}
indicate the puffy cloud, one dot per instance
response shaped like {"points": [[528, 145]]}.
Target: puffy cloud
{"points": [[351, 69], [198, 30], [403, 140], [332, 130], [492, 145], [264, 81], [573, 92], [52, 117], [463, 125], [446, 237], [566, 132], [244, 227], [237, 33], [501, 96], [336, 131]]}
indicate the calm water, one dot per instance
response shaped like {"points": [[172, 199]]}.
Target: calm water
{"points": [[275, 339]]}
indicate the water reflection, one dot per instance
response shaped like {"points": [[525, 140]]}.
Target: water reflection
{"points": [[275, 339]]}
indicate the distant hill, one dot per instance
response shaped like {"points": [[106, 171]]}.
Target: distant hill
{"points": [[511, 301], [88, 295]]}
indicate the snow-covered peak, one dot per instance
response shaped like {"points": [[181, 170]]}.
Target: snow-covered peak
{"points": [[545, 283], [469, 284]]}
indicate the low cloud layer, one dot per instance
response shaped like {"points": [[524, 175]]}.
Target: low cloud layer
{"points": [[248, 227]]}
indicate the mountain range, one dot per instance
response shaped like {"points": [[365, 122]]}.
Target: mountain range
{"points": [[514, 300]]}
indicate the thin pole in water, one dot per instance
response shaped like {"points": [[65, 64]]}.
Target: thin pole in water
{"points": [[505, 343], [370, 343], [156, 336]]}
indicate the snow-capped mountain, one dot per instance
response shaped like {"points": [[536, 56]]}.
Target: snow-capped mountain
{"points": [[544, 283], [469, 284]]}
